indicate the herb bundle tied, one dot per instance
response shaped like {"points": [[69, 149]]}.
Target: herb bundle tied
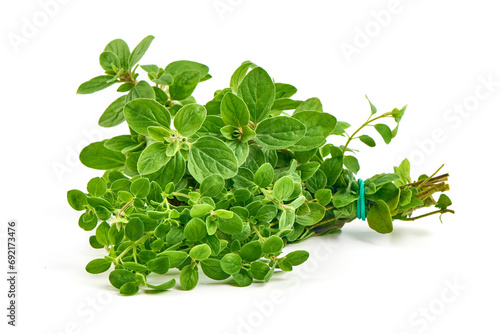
{"points": [[223, 187]]}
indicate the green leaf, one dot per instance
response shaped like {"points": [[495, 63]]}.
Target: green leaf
{"points": [[113, 115], [209, 155], [120, 143], [119, 48], [173, 171], [251, 251], [199, 210], [141, 91], [195, 230], [129, 289], [414, 202], [165, 286], [166, 79], [373, 110], [284, 90], [398, 114], [351, 163], [134, 230], [184, 85], [381, 179], [234, 111], [212, 185], [272, 245], [443, 202], [213, 270], [323, 196], [266, 213], [259, 270], [108, 60], [308, 169], [160, 265], [318, 125], [405, 197], [284, 104], [297, 257], [97, 156], [126, 87], [285, 265], [143, 113], [152, 158], [286, 221], [279, 132], [340, 128], [315, 213], [298, 202], [139, 51], [231, 225], [134, 266], [140, 187], [151, 69], [94, 243], [96, 84], [365, 139], [180, 66], [119, 277], [404, 173], [242, 278], [224, 213], [264, 175], [312, 104], [317, 181], [115, 236], [176, 257], [159, 133], [343, 197], [200, 252], [212, 125], [385, 193], [239, 74], [379, 217], [98, 266], [231, 263], [189, 119], [101, 233], [87, 221], [385, 132], [257, 91], [96, 187], [283, 188], [77, 199], [189, 277], [240, 150]]}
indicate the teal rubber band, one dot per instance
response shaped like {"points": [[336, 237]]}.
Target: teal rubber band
{"points": [[360, 203]]}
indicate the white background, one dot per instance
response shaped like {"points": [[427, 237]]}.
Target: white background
{"points": [[433, 56]]}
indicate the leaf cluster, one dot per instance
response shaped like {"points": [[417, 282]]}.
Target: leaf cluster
{"points": [[223, 186]]}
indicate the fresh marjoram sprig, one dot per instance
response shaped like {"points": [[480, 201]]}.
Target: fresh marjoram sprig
{"points": [[226, 185]]}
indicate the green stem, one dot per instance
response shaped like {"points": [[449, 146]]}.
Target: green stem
{"points": [[261, 238], [144, 237], [429, 214], [176, 194], [361, 127], [429, 178]]}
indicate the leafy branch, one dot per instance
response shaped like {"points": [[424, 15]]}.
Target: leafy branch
{"points": [[224, 186]]}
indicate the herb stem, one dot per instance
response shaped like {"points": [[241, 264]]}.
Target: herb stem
{"points": [[261, 238], [124, 208], [351, 137], [144, 237], [430, 177], [429, 214]]}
